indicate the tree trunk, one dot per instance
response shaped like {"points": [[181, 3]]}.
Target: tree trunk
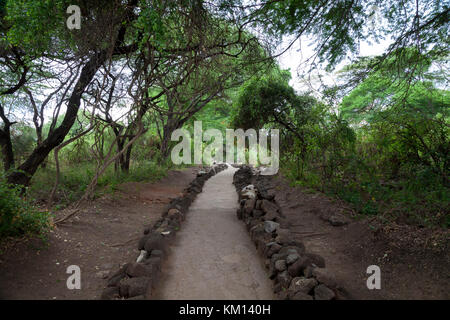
{"points": [[118, 163], [55, 138], [57, 149], [101, 169], [126, 163], [7, 149], [170, 127]]}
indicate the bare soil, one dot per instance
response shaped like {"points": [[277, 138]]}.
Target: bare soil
{"points": [[414, 262], [102, 236]]}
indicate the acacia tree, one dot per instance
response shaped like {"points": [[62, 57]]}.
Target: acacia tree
{"points": [[206, 83], [155, 34], [337, 27], [89, 50], [409, 121]]}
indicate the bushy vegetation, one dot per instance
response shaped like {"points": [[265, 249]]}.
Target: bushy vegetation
{"points": [[387, 160], [76, 177], [18, 216]]}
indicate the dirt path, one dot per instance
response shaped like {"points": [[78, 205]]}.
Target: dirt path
{"points": [[213, 257], [100, 238]]}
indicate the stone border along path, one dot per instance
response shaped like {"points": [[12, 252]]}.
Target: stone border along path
{"points": [[297, 274], [137, 280]]}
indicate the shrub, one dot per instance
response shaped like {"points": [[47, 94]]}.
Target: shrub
{"points": [[17, 215]]}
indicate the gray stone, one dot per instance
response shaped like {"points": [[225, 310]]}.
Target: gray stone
{"points": [[292, 250], [249, 206], [154, 262], [131, 287], [338, 219], [250, 223], [175, 214], [270, 226], [249, 192], [277, 288], [291, 258], [272, 249], [110, 293], [261, 244], [284, 236], [308, 272], [324, 276], [284, 279], [116, 277], [269, 207], [283, 295], [154, 242], [139, 270], [301, 296], [301, 284], [272, 271], [257, 213], [257, 231], [271, 216], [322, 292], [280, 265], [277, 256], [296, 269]]}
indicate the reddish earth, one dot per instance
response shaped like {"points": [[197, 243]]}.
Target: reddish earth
{"points": [[103, 235], [414, 262]]}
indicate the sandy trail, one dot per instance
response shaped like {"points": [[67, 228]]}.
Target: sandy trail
{"points": [[213, 257]]}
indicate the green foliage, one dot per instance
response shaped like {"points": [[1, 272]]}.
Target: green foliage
{"points": [[270, 100], [386, 152], [392, 162], [17, 215], [338, 26], [32, 24], [76, 177]]}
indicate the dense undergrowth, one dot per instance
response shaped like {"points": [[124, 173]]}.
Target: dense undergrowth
{"points": [[18, 215], [423, 201]]}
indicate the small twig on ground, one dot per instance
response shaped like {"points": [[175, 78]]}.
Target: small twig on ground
{"points": [[310, 234], [67, 216], [124, 243]]}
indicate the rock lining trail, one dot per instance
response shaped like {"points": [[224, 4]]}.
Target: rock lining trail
{"points": [[213, 256]]}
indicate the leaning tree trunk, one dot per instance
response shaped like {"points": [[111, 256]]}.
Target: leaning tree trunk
{"points": [[27, 169]]}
